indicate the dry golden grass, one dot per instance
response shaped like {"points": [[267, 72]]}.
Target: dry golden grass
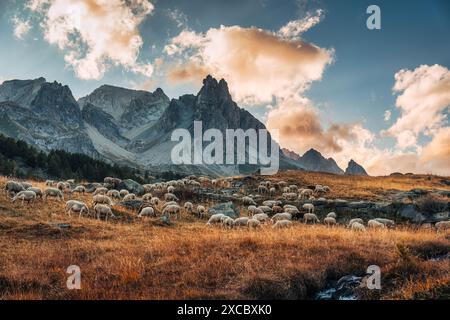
{"points": [[130, 259]]}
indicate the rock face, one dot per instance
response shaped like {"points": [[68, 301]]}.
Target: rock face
{"points": [[354, 168], [226, 208], [313, 160], [132, 186]]}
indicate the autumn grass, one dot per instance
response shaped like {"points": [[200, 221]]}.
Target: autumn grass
{"points": [[131, 259]]}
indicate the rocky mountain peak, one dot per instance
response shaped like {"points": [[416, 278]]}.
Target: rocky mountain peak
{"points": [[312, 160], [214, 91], [354, 168]]}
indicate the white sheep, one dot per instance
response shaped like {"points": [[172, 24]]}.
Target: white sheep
{"points": [[277, 209], [79, 189], [147, 197], [293, 188], [76, 206], [215, 218], [172, 209], [147, 211], [53, 192], [101, 190], [124, 192], [307, 217], [292, 211], [281, 216], [12, 187], [355, 220], [102, 209], [387, 222], [253, 223], [188, 206], [306, 193], [114, 194], [261, 217], [26, 185], [170, 189], [154, 201], [241, 222], [201, 211], [227, 222], [281, 224], [265, 209], [263, 189], [36, 190], [374, 224], [248, 201], [28, 196], [102, 199], [170, 197], [331, 215], [356, 226], [272, 191], [271, 203], [129, 197], [309, 207], [329, 221], [442, 225], [49, 183]]}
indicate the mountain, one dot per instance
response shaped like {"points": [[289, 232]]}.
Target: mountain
{"points": [[354, 168], [44, 114], [313, 160]]}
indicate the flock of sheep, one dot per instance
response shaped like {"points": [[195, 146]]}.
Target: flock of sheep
{"points": [[270, 211]]}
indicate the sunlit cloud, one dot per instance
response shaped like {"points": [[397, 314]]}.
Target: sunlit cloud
{"points": [[21, 27]]}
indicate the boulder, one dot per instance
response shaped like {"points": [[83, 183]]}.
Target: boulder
{"points": [[408, 211], [132, 186], [132, 204], [226, 208]]}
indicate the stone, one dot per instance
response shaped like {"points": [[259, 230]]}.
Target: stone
{"points": [[132, 186], [226, 208]]}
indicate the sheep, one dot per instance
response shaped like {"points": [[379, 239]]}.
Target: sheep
{"points": [[263, 189], [227, 222], [281, 224], [49, 183], [215, 218], [310, 217], [272, 191], [306, 193], [170, 197], [53, 192], [114, 194], [26, 185], [281, 216], [374, 224], [277, 209], [329, 221], [286, 190], [251, 210], [265, 209], [271, 203], [169, 203], [124, 192], [147, 211], [241, 222], [170, 189], [12, 187], [292, 211], [76, 206], [79, 189], [442, 225], [36, 190], [129, 197], [262, 217], [201, 211], [355, 220], [172, 209], [309, 207], [331, 215], [102, 199], [61, 185], [28, 196], [387, 222], [147, 197], [70, 181], [154, 201], [102, 209], [293, 188], [188, 207], [356, 226], [248, 201], [289, 195], [101, 190], [253, 223]]}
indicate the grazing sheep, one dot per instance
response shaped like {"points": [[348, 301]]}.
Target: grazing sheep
{"points": [[286, 190], [216, 218], [374, 224], [79, 189], [356, 226], [102, 209], [261, 217], [271, 203], [281, 224], [147, 211], [76, 206], [36, 190], [124, 192], [170, 197], [227, 222], [442, 225], [306, 193], [293, 188], [147, 197], [248, 201], [70, 181], [53, 192], [201, 211], [277, 209], [309, 207], [49, 183], [171, 189], [102, 199], [281, 216], [169, 203], [12, 187], [352, 221], [253, 223], [172, 209], [129, 197], [292, 211], [241, 222], [114, 194], [265, 209], [26, 185], [189, 207], [387, 222], [329, 221], [307, 217], [101, 190], [272, 191], [251, 210], [263, 189], [289, 195], [63, 186], [154, 201], [28, 196], [331, 215]]}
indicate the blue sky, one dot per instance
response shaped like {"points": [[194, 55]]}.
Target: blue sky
{"points": [[355, 87]]}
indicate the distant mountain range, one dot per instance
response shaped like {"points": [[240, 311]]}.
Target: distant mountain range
{"points": [[130, 127]]}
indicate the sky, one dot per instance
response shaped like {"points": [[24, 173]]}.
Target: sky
{"points": [[310, 69]]}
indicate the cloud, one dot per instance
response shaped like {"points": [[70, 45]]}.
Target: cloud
{"points": [[423, 100], [294, 29], [178, 16], [21, 27], [95, 34], [436, 154], [258, 64], [387, 115]]}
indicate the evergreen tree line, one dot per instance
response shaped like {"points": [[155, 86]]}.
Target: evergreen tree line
{"points": [[21, 160]]}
